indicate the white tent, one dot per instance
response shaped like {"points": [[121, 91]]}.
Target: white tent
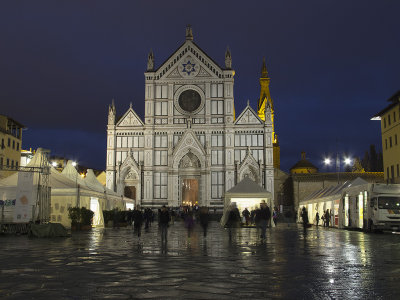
{"points": [[247, 194], [68, 189]]}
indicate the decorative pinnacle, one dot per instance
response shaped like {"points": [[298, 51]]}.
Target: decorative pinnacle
{"points": [[264, 72], [189, 33]]}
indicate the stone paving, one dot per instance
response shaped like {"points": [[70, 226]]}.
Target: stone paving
{"points": [[113, 264]]}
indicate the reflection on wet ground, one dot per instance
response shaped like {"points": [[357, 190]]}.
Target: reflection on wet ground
{"points": [[113, 263]]}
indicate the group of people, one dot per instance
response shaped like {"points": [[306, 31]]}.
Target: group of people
{"points": [[326, 218], [166, 216], [261, 218], [250, 218]]}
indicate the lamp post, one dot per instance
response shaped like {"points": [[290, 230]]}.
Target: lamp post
{"points": [[74, 164], [346, 161]]}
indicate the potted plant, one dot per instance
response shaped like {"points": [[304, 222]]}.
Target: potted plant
{"points": [[81, 218]]}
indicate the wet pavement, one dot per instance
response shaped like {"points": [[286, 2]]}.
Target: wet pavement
{"points": [[113, 264]]}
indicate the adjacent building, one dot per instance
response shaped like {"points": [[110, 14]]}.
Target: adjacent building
{"points": [[390, 129], [190, 147], [10, 145]]}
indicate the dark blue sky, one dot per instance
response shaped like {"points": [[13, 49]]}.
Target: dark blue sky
{"points": [[333, 64]]}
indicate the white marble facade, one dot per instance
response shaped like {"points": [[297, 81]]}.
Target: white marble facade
{"points": [[189, 135]]}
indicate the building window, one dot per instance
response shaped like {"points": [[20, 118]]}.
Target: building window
{"points": [[395, 139], [161, 91], [384, 123], [160, 157], [1, 161], [217, 90], [161, 108], [8, 162], [9, 142], [394, 116], [385, 143], [387, 173], [217, 184], [13, 143], [389, 120], [217, 140], [17, 146], [217, 157], [2, 144], [390, 142], [16, 164], [217, 107], [12, 164], [160, 185], [160, 141]]}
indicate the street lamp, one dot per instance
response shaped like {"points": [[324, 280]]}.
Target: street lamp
{"points": [[346, 161], [74, 164]]}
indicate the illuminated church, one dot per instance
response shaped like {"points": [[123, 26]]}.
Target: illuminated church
{"points": [[190, 147]]}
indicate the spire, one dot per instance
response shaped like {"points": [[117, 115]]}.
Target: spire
{"points": [[111, 113], [228, 59], [264, 72], [150, 61], [303, 155], [189, 33]]}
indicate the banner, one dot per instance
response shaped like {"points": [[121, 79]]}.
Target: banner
{"points": [[25, 198]]}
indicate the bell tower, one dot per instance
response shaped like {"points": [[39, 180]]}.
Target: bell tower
{"points": [[264, 101]]}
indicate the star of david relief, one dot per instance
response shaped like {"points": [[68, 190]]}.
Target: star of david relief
{"points": [[188, 67]]}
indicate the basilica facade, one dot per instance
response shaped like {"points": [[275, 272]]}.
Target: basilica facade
{"points": [[190, 147]]}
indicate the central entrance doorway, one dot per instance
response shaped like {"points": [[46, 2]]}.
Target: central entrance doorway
{"points": [[190, 192]]}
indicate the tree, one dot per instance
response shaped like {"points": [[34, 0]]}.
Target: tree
{"points": [[365, 162], [373, 159], [357, 167]]}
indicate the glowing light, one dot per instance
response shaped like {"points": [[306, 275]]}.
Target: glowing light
{"points": [[327, 161], [74, 163], [347, 161], [54, 164]]}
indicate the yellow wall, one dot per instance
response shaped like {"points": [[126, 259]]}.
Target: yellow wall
{"points": [[10, 146], [390, 128]]}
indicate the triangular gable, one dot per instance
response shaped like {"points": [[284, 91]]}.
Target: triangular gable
{"points": [[189, 139], [248, 117], [249, 160], [130, 118], [188, 61]]}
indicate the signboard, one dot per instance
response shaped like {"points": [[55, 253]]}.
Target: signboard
{"points": [[25, 198]]}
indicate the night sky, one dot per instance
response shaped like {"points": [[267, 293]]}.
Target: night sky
{"points": [[333, 65]]}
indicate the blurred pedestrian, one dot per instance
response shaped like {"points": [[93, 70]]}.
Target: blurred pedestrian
{"points": [[317, 218], [233, 221], [164, 219], [189, 222], [204, 218], [327, 217], [246, 215], [137, 220], [263, 216], [275, 216], [304, 216]]}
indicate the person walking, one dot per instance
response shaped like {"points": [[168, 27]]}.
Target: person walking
{"points": [[189, 222], [203, 218], [164, 219], [233, 221], [327, 217], [137, 221], [264, 215], [275, 216], [246, 215], [304, 216], [317, 218]]}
